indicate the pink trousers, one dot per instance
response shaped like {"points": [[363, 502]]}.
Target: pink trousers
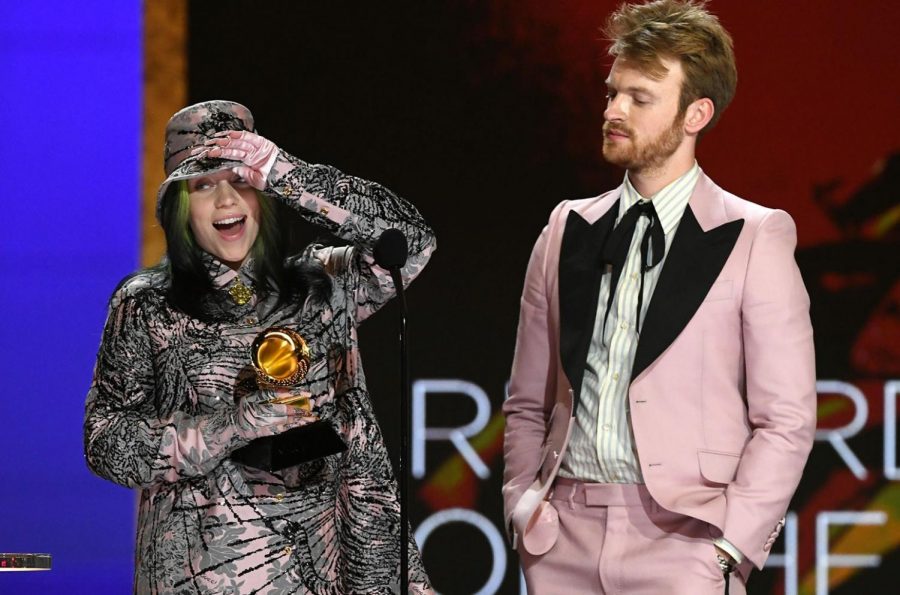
{"points": [[614, 539]]}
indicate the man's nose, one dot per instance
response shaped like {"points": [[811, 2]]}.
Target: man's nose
{"points": [[614, 111]]}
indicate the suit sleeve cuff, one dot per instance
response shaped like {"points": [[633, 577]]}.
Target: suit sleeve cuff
{"points": [[729, 549]]}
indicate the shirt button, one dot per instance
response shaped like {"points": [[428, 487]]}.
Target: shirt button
{"points": [[279, 496], [287, 551], [624, 325], [634, 276], [616, 376], [323, 211], [606, 427]]}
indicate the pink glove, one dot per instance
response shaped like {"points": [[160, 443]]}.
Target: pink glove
{"points": [[257, 153]]}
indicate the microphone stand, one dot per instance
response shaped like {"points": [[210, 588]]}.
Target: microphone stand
{"points": [[390, 253], [404, 457]]}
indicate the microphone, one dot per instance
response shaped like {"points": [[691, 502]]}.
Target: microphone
{"points": [[391, 250]]}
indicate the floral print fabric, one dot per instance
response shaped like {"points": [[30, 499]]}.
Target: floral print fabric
{"points": [[173, 396]]}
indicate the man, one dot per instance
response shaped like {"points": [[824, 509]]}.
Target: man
{"points": [[662, 401]]}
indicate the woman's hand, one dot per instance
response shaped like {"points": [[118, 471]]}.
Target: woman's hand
{"points": [[261, 414], [255, 152]]}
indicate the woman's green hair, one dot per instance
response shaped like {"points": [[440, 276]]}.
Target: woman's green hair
{"points": [[183, 238]]}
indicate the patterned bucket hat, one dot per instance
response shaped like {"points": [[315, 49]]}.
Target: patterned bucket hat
{"points": [[191, 127]]}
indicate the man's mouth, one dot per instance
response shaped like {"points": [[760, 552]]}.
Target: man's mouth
{"points": [[615, 133]]}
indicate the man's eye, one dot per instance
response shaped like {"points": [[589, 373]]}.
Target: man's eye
{"points": [[204, 185]]}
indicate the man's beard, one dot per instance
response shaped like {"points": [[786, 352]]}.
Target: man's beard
{"points": [[640, 157]]}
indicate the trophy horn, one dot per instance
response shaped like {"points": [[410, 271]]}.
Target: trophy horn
{"points": [[281, 359]]}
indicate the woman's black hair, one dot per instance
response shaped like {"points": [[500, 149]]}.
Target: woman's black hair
{"points": [[190, 278]]}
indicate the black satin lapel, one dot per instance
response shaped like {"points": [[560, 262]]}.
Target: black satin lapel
{"points": [[693, 264], [580, 271]]}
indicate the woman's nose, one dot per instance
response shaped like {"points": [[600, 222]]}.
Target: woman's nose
{"points": [[226, 195]]}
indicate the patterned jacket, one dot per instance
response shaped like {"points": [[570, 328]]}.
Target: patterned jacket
{"points": [[173, 396]]}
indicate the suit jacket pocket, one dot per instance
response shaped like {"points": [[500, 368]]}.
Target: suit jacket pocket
{"points": [[717, 466]]}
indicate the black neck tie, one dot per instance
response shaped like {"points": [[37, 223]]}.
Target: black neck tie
{"points": [[615, 251]]}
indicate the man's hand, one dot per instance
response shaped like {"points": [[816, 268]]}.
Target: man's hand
{"points": [[725, 554], [726, 562]]}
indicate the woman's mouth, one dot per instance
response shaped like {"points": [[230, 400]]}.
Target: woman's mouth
{"points": [[230, 227]]}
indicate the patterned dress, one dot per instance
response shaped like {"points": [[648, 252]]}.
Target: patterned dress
{"points": [[173, 396]]}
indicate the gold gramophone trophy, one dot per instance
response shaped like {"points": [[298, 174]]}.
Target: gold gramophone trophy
{"points": [[281, 359]]}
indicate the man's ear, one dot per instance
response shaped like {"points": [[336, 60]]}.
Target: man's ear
{"points": [[698, 114]]}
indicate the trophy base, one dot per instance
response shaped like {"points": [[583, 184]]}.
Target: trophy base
{"points": [[299, 445]]}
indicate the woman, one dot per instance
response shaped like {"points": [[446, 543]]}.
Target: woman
{"points": [[174, 395]]}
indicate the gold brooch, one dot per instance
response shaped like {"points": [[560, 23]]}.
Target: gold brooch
{"points": [[240, 293]]}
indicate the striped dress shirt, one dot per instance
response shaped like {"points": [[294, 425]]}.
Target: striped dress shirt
{"points": [[601, 448]]}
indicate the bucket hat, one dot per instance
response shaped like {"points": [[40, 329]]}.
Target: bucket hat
{"points": [[191, 127]]}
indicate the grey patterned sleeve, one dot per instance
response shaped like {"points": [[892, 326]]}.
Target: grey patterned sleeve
{"points": [[357, 211], [127, 439]]}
